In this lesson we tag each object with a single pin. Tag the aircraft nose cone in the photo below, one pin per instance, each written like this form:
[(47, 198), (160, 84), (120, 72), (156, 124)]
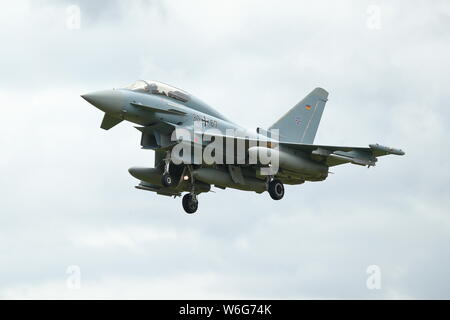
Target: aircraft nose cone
[(109, 101)]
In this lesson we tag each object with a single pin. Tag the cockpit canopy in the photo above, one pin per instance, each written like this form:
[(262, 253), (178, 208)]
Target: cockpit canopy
[(155, 87)]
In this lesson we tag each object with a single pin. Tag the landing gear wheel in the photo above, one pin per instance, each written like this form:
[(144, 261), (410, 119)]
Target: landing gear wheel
[(190, 203), (276, 189), (166, 180)]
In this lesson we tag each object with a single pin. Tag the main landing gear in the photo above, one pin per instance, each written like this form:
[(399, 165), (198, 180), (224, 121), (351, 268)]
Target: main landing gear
[(276, 189), (190, 203), (190, 200)]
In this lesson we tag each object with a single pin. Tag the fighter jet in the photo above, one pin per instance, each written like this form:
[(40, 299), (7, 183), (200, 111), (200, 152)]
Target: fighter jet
[(162, 111)]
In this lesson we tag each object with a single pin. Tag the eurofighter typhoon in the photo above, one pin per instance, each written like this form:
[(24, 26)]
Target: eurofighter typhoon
[(196, 147)]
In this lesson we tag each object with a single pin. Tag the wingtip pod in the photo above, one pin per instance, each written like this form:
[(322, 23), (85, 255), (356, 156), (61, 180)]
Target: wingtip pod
[(387, 150)]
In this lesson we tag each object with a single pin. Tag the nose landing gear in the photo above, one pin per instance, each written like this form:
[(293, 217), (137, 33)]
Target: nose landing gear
[(167, 179)]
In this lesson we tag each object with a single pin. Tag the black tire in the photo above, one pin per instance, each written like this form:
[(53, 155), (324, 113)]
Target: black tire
[(167, 180), (190, 205), (276, 189)]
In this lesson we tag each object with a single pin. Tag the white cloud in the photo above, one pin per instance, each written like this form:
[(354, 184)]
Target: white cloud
[(110, 287)]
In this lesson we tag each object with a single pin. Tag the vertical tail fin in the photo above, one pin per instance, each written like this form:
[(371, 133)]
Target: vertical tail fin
[(301, 122)]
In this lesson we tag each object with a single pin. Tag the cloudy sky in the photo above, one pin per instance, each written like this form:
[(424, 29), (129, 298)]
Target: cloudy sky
[(67, 198)]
